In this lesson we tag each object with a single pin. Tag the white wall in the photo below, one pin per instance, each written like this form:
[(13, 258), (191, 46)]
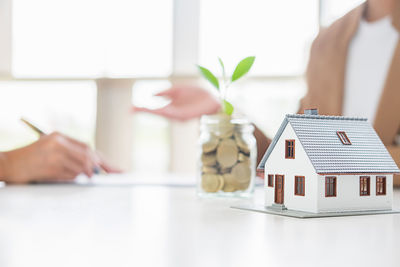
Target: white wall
[(5, 38), (348, 194), (300, 166)]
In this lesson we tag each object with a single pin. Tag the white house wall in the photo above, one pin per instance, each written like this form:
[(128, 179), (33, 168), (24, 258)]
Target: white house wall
[(348, 194), (300, 166)]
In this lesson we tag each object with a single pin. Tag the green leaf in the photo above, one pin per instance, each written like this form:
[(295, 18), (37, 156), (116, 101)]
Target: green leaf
[(228, 108), (209, 76), (222, 66), (242, 68)]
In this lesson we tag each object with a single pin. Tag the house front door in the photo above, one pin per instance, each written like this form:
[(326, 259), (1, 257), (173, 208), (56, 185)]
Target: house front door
[(279, 182)]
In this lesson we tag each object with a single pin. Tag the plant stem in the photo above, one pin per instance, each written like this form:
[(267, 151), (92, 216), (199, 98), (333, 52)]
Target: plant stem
[(224, 87)]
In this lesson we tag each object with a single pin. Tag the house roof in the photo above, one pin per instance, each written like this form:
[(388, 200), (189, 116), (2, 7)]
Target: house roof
[(318, 136)]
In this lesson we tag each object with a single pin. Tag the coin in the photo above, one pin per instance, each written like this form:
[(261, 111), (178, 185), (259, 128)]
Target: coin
[(210, 145), (229, 179), (225, 170), (210, 182), (225, 131), (242, 172), (227, 153), (209, 170), (243, 186), (221, 182), (232, 184), (209, 159), (229, 183), (242, 157), (228, 188), (241, 143)]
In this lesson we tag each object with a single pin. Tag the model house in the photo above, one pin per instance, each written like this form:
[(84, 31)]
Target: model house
[(327, 164)]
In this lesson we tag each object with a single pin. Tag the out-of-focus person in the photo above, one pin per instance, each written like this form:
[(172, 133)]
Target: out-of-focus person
[(353, 70)]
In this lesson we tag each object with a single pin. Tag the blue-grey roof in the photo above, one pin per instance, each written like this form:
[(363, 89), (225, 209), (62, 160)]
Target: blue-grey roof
[(318, 136)]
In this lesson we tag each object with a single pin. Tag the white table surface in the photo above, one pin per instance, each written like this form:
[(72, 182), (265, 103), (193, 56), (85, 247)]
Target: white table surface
[(71, 225)]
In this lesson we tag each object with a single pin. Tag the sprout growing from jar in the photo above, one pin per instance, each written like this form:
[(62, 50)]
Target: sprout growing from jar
[(241, 69)]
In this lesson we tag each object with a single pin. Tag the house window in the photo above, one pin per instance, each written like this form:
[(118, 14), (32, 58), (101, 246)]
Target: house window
[(343, 137), (299, 184), (270, 180), (364, 186), (380, 185), (330, 186), (289, 151)]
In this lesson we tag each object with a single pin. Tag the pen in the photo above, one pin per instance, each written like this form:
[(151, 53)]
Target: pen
[(96, 170), (33, 127)]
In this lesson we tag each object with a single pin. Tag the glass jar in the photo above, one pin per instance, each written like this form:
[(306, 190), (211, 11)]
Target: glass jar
[(227, 158)]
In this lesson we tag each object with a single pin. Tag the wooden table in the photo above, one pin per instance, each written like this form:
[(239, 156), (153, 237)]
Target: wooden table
[(70, 225)]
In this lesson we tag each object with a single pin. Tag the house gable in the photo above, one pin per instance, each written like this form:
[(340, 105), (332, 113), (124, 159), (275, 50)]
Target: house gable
[(271, 147), (277, 155), (277, 164)]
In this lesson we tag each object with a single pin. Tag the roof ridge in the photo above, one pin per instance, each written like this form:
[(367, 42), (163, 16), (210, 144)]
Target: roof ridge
[(326, 117)]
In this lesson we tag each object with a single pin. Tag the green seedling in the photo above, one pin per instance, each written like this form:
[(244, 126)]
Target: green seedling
[(222, 85)]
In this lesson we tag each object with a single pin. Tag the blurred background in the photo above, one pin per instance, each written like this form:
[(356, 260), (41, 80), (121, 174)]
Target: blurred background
[(77, 66)]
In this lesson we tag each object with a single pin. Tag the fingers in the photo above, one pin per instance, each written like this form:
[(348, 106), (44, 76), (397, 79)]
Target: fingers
[(108, 168), (170, 93), (78, 155), (141, 109), (176, 113), (79, 158), (65, 172), (176, 90), (188, 102), (158, 111), (164, 112), (88, 156), (105, 165), (72, 167), (76, 142)]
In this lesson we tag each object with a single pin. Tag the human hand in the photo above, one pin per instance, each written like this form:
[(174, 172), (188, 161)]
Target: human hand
[(187, 102), (53, 157)]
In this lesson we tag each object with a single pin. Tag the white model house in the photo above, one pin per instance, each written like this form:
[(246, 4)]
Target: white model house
[(327, 164)]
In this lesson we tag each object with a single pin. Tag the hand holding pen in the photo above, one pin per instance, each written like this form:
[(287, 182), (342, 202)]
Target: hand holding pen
[(54, 157), (96, 159)]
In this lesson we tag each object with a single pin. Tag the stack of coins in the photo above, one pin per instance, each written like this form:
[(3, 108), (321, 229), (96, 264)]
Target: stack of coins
[(225, 161)]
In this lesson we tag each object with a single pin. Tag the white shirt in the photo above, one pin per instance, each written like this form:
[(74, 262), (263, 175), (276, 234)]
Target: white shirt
[(368, 61)]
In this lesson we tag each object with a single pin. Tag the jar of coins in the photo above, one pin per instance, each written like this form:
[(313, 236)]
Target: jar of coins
[(228, 155)]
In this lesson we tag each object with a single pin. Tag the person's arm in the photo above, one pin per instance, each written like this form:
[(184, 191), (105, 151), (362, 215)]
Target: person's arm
[(2, 166), (263, 143), (189, 102), (395, 153), (53, 157)]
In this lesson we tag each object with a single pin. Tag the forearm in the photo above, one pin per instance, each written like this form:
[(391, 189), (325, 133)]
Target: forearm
[(12, 165), (3, 166), (395, 153)]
